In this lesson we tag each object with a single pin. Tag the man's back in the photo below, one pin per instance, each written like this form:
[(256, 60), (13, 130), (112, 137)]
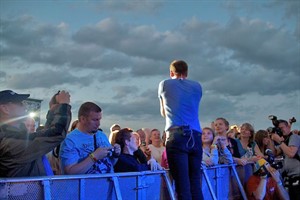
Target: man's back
[(181, 99)]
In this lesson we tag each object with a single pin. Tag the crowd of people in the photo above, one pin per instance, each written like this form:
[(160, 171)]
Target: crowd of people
[(183, 147)]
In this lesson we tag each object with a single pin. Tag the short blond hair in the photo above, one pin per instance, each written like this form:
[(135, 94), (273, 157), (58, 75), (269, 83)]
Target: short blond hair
[(179, 67)]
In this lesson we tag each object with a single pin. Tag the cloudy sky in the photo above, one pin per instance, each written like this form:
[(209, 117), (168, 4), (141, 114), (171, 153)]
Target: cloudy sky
[(246, 55)]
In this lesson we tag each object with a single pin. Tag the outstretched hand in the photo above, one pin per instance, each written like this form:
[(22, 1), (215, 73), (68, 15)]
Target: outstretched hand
[(154, 165)]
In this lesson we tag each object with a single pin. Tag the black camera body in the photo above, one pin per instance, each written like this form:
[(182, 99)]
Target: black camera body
[(275, 123), (272, 161), (111, 152)]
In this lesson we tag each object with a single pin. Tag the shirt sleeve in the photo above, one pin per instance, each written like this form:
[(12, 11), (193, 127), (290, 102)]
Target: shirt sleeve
[(68, 153)]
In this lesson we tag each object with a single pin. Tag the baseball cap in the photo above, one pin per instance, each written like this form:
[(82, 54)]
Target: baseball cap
[(7, 96), (259, 166)]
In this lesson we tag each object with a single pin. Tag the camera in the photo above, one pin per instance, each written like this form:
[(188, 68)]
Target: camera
[(277, 164), (275, 123), (111, 152), (292, 120)]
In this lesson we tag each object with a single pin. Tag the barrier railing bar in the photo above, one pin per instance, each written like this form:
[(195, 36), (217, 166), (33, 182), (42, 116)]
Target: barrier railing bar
[(209, 184), (47, 190), (239, 182), (81, 189), (169, 186), (117, 187)]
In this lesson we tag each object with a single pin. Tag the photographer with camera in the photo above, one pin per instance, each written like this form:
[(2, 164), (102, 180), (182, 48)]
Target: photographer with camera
[(265, 183), (21, 153), (86, 150), (289, 145)]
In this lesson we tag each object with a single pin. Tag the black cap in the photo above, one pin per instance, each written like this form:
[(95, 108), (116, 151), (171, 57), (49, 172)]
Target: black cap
[(7, 96)]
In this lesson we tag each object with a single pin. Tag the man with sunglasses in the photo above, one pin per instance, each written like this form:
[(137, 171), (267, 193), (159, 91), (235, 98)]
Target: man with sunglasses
[(21, 153)]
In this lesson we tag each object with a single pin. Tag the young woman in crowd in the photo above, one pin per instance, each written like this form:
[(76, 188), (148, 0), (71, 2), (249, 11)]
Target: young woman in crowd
[(221, 127), (264, 142), (127, 162), (210, 151), (214, 151), (156, 146), (248, 149)]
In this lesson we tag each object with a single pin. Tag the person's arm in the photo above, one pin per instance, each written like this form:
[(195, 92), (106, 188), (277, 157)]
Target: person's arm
[(214, 155), (162, 108), (226, 156), (42, 142), (161, 101), (289, 150), (280, 191), (83, 166), (260, 191)]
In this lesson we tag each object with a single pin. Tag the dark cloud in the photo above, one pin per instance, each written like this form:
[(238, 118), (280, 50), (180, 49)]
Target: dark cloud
[(147, 6), (43, 79), (246, 59)]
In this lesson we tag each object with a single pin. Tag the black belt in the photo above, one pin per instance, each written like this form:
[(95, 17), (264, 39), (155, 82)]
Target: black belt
[(184, 130)]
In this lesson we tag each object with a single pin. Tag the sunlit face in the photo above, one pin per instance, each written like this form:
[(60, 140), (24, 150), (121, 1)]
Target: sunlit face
[(207, 136), (137, 138), (30, 125), (132, 143), (155, 136), (16, 109), (245, 132), (220, 127), (91, 122)]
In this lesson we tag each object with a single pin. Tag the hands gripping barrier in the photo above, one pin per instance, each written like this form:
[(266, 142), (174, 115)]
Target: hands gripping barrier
[(218, 182)]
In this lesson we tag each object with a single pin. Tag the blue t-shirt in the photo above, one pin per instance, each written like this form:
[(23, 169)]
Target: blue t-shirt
[(77, 146), (181, 99)]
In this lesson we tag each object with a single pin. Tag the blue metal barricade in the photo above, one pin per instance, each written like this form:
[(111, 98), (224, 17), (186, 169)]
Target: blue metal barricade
[(133, 185), (218, 183)]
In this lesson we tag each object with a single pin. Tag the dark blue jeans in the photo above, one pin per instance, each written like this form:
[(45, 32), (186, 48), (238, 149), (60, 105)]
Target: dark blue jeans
[(184, 153)]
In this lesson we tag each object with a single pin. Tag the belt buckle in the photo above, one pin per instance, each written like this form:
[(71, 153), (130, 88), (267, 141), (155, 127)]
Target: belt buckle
[(187, 131)]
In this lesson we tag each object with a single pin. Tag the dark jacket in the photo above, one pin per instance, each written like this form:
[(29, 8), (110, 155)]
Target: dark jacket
[(129, 163), (21, 153)]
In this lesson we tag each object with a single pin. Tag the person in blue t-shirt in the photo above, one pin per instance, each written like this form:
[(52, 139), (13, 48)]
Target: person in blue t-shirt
[(86, 150), (179, 104)]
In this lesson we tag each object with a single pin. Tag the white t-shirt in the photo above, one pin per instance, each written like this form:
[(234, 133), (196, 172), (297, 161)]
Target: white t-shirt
[(156, 152)]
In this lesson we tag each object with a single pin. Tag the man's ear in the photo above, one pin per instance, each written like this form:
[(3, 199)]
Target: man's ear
[(172, 74)]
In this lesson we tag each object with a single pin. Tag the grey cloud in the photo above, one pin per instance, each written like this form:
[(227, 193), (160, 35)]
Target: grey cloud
[(256, 42), (124, 92), (291, 7), (138, 105), (129, 6), (245, 56), (43, 79), (142, 41)]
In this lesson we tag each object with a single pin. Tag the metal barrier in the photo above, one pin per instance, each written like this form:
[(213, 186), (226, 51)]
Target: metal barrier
[(221, 181), (133, 185), (218, 182)]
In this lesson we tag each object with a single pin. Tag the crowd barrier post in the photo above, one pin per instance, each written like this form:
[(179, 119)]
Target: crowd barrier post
[(47, 189), (169, 186), (211, 190), (117, 187), (239, 182)]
